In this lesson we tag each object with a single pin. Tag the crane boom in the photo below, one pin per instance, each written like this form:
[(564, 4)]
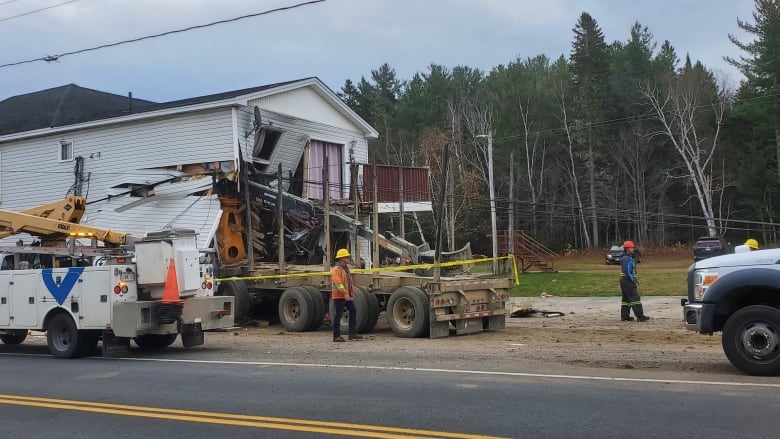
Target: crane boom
[(58, 220)]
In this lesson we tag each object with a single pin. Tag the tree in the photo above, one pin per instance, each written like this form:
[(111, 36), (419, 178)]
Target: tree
[(690, 110), (590, 74), (762, 65)]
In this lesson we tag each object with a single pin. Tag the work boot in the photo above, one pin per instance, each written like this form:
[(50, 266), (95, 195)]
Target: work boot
[(355, 337), (627, 319), (339, 339), (642, 318)]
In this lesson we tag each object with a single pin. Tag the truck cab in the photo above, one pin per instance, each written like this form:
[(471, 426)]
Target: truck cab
[(739, 295)]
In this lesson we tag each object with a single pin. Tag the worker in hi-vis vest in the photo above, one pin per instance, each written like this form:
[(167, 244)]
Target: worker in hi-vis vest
[(342, 295)]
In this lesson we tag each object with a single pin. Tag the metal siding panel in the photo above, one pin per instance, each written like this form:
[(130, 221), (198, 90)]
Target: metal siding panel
[(416, 184), (111, 150)]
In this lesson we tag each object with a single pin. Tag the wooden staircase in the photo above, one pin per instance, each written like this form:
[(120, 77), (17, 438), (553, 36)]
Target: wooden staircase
[(531, 255)]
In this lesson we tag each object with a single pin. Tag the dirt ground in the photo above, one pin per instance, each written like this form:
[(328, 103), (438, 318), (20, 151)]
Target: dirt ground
[(573, 333), (564, 335)]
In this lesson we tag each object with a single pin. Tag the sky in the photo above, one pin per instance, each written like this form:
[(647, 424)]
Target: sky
[(334, 40)]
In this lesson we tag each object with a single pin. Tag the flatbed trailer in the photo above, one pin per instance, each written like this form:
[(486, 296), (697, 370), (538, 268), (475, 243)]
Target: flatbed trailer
[(415, 306)]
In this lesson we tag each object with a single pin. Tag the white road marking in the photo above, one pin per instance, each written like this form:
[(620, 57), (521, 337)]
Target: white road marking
[(427, 369), (456, 371)]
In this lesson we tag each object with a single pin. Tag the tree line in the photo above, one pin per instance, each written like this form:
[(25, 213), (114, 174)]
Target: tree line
[(621, 140)]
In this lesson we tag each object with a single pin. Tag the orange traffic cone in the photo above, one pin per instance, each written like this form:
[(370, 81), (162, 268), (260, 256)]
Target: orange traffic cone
[(171, 289)]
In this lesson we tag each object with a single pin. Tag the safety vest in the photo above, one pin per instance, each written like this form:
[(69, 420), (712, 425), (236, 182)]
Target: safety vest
[(341, 283)]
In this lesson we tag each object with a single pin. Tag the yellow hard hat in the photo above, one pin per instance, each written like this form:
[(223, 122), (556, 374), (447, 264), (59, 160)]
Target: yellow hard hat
[(342, 253), (752, 243)]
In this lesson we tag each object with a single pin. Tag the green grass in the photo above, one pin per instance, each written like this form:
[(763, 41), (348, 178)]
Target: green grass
[(596, 284), (590, 277)]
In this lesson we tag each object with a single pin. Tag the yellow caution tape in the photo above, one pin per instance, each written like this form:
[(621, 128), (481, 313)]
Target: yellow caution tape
[(380, 269)]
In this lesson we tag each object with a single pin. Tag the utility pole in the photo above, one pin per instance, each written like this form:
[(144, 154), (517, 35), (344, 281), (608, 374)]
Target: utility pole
[(491, 189), (512, 203)]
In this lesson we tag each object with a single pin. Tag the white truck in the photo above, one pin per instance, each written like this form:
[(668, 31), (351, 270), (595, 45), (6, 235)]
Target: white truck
[(149, 290), (739, 295)]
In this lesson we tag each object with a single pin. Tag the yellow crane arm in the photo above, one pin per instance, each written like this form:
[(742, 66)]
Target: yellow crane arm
[(58, 219)]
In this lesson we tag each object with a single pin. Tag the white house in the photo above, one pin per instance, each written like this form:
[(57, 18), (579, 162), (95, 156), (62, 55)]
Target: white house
[(146, 165)]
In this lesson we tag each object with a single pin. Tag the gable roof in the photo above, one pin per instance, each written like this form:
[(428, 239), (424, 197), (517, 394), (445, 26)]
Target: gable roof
[(47, 111), (61, 106)]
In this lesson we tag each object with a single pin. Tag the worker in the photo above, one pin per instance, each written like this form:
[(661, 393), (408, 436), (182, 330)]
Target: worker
[(628, 286), (342, 294), (749, 245)]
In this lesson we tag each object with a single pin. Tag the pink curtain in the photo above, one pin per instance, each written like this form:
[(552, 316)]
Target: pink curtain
[(317, 152)]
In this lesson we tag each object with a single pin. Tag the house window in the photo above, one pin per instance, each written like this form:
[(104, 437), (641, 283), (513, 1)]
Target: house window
[(265, 143), (66, 151)]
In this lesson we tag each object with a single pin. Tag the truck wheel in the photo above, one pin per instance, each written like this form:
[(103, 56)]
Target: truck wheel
[(362, 315), (13, 336), (407, 312), (319, 307), (154, 342), (241, 303), (372, 312), (296, 309), (63, 338), (751, 340)]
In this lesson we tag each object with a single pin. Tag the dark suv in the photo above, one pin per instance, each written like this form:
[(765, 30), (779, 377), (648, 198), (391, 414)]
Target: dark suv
[(708, 247)]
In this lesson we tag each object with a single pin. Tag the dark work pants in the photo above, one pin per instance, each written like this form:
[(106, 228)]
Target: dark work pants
[(338, 307), (630, 300)]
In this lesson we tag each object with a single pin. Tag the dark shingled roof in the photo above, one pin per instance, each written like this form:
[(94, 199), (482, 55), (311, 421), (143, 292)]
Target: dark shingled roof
[(71, 104)]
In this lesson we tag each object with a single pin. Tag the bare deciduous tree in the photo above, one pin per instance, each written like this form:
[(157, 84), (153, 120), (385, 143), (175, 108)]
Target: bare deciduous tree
[(682, 109)]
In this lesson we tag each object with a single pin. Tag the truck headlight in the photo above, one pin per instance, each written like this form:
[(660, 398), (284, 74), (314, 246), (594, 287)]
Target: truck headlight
[(702, 280)]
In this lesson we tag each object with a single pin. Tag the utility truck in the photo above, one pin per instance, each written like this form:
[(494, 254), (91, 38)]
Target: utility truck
[(149, 289)]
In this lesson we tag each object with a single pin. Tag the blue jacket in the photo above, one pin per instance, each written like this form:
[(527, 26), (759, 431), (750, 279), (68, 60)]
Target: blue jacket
[(628, 267)]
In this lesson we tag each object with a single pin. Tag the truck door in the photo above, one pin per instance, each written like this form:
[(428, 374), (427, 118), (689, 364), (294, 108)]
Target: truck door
[(5, 303), (24, 303), (94, 293)]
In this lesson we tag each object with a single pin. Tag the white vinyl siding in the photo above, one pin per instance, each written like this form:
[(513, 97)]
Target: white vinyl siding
[(304, 103), (113, 152)]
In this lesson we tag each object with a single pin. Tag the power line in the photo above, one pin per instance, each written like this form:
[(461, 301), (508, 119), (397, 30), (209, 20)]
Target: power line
[(49, 58), (8, 1), (34, 11)]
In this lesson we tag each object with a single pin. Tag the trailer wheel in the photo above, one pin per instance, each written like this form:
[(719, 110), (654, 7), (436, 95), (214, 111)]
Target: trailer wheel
[(240, 293), (319, 307), (363, 314), (296, 309), (751, 340), (154, 342), (13, 336), (407, 312), (372, 312), (63, 338)]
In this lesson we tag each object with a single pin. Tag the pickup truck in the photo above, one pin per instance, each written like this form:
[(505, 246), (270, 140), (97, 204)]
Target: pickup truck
[(739, 295)]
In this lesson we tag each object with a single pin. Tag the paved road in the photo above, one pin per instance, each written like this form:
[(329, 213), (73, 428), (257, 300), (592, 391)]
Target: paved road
[(97, 398)]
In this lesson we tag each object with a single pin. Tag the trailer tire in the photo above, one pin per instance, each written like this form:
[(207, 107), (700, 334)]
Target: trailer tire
[(751, 340), (362, 313), (296, 309), (319, 307), (407, 312), (12, 336), (372, 312), (63, 338), (154, 342), (241, 302)]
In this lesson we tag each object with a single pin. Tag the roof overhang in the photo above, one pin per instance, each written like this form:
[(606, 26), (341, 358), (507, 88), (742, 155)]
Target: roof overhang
[(235, 101)]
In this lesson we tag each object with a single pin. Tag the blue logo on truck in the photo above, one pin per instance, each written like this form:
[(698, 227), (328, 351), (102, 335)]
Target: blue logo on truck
[(62, 291)]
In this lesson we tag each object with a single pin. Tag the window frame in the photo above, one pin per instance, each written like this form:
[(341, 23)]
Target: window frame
[(61, 145)]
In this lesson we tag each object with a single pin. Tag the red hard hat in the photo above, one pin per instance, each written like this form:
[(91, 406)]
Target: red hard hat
[(629, 244)]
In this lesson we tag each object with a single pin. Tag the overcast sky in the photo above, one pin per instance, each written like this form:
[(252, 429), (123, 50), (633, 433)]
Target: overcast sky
[(334, 40)]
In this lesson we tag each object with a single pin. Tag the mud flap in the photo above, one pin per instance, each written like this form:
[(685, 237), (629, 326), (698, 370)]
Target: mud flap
[(439, 329), (468, 326), (114, 346), (495, 323), (192, 335)]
